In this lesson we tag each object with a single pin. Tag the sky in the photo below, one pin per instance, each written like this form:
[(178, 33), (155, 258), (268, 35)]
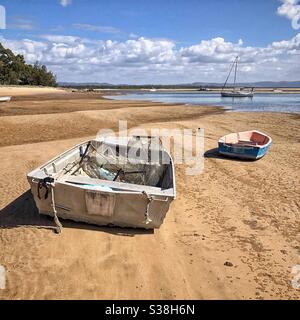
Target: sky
[(157, 41)]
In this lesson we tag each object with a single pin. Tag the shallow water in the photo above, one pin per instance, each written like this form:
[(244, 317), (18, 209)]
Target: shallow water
[(259, 103)]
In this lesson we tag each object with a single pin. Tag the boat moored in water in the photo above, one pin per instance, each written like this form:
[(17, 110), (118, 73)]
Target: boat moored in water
[(250, 145), (237, 94)]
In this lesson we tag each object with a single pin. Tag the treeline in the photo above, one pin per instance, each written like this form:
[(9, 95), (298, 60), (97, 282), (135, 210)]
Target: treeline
[(127, 86), (15, 71)]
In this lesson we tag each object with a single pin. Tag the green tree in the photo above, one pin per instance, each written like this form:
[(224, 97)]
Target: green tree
[(14, 70)]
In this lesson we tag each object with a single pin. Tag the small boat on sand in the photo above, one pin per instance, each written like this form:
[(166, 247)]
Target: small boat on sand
[(245, 145), (5, 99), (107, 182)]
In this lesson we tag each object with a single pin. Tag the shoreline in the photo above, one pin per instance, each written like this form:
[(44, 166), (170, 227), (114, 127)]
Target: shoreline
[(234, 211)]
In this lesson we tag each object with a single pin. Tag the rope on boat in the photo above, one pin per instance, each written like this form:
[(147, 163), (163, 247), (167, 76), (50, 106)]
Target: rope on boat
[(150, 199), (47, 183), (56, 220)]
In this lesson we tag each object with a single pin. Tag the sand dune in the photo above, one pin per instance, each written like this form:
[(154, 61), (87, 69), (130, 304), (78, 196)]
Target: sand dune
[(242, 213)]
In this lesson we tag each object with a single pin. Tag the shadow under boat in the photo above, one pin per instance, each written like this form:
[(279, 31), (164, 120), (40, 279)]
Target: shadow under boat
[(22, 212), (214, 154)]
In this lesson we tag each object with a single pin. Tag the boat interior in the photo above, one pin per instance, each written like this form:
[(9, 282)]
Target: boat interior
[(120, 163), (252, 138)]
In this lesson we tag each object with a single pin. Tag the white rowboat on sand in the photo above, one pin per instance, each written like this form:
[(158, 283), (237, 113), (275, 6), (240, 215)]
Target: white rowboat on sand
[(5, 99), (87, 184)]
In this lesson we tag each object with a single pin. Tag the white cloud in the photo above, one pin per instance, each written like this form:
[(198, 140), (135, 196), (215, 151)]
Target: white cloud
[(145, 60), (288, 45), (21, 23), (211, 51), (65, 3), (291, 10), (60, 39), (91, 27), (136, 52), (133, 36)]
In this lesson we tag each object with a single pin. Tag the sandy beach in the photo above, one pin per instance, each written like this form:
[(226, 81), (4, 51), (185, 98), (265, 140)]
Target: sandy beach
[(232, 233)]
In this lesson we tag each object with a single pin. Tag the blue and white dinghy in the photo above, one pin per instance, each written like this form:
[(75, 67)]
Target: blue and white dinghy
[(250, 145)]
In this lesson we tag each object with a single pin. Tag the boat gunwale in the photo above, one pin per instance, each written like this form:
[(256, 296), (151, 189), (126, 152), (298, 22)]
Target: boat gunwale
[(34, 174), (222, 140), (119, 187)]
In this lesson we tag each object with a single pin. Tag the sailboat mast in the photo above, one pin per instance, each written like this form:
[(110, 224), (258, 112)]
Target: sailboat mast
[(231, 67), (236, 65), (235, 91)]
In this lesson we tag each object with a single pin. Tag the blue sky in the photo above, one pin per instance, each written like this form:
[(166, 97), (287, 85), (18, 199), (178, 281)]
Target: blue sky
[(139, 41)]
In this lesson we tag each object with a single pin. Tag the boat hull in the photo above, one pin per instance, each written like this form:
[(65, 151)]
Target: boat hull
[(236, 95), (246, 152), (103, 208), (250, 145), (5, 99)]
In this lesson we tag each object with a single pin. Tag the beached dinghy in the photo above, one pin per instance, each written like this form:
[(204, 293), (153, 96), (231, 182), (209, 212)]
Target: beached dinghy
[(5, 99), (246, 145), (103, 182)]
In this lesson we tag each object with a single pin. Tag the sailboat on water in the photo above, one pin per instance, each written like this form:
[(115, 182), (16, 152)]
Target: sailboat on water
[(235, 92)]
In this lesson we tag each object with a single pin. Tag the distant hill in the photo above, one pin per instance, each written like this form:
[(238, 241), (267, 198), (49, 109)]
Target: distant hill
[(260, 84), (104, 85), (280, 84)]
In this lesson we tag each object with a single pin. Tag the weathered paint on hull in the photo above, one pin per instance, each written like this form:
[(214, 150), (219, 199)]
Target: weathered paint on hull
[(101, 202), (247, 152), (118, 208)]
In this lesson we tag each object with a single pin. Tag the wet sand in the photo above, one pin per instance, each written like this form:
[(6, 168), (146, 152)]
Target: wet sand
[(232, 233)]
